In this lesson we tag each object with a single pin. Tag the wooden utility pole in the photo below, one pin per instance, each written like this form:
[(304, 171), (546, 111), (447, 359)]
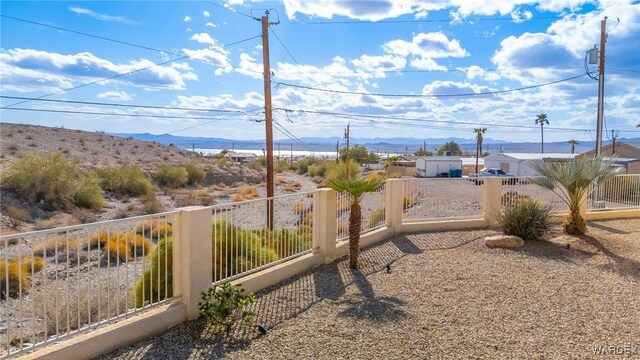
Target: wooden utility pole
[(346, 135), (603, 41), (268, 116), (614, 139)]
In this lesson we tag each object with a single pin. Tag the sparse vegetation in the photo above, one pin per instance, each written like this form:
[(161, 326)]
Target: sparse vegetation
[(127, 180), (171, 176), (223, 306), (16, 215), (15, 275), (195, 173)]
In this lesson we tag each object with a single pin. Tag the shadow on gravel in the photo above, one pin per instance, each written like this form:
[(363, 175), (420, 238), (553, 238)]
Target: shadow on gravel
[(370, 307), (621, 265), (601, 226)]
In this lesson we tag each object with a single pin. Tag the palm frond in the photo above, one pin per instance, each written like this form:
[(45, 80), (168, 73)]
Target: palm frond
[(356, 188)]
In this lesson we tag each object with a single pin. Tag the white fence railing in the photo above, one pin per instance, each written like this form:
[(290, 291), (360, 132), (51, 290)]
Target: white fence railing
[(243, 242), (57, 282), (373, 213), (621, 192), (441, 199), (521, 188)]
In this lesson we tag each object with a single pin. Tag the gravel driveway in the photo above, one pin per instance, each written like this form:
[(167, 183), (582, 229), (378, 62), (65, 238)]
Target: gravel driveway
[(447, 296)]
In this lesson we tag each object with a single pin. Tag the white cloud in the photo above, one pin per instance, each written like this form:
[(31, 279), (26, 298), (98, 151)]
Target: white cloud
[(214, 55), (203, 38), (427, 45), (452, 87), (212, 25), (206, 14), (521, 16), (187, 18), (116, 96), (28, 67), (248, 66), (427, 64), (103, 17), (474, 71), (380, 63)]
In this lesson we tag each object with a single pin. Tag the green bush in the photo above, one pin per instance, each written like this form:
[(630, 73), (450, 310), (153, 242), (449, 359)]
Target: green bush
[(527, 219), (303, 164), (195, 173), (171, 175), (377, 217), (89, 194), (222, 306), (52, 180), (339, 171), (148, 288), (127, 180), (286, 242)]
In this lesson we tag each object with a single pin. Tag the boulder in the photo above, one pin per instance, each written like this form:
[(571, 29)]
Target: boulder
[(504, 241)]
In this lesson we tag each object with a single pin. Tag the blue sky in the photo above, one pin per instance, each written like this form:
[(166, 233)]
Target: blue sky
[(412, 47)]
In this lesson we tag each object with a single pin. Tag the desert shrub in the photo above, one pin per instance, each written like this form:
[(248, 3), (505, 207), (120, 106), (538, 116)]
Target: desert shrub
[(288, 188), (299, 207), (223, 306), (377, 217), (280, 166), (126, 180), (258, 164), (406, 202), (171, 175), (377, 175), (157, 281), (52, 180), (195, 173), (279, 181), (16, 215), (54, 246), (239, 197), (339, 171), (116, 250), (236, 250), (302, 165), (246, 192), (151, 204), (84, 216), (119, 246), (89, 194), (321, 168), (154, 229), (15, 273), (527, 219)]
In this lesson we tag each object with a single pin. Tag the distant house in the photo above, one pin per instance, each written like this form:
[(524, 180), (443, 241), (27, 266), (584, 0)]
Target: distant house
[(432, 166), (519, 164), (402, 167), (627, 157), (241, 157), (469, 165)]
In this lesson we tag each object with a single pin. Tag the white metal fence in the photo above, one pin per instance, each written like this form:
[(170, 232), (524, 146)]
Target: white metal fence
[(621, 192), (373, 212), (62, 281), (441, 199), (243, 242), (521, 188)]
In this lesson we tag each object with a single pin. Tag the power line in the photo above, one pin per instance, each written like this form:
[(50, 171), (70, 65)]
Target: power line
[(231, 10), (431, 95), (288, 134), (118, 114), (96, 103), (284, 46), (430, 70)]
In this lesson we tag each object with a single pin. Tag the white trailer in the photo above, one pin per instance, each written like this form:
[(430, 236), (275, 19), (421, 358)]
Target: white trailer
[(433, 166)]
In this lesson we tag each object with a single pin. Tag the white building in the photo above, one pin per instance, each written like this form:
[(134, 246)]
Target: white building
[(432, 166), (518, 164)]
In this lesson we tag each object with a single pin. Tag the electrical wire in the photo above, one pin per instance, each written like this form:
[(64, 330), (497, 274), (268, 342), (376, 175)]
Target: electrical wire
[(418, 21), (96, 103), (431, 95), (288, 134), (231, 10), (284, 46)]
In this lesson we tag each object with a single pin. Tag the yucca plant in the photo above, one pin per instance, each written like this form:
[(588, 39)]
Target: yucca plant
[(356, 189), (571, 181)]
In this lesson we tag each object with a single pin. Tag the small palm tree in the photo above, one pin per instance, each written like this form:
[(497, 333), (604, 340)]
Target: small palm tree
[(356, 188), (541, 120), (573, 145), (479, 138), (571, 181)]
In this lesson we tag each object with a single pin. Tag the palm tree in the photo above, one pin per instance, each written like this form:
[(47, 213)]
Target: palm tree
[(479, 137), (356, 188), (573, 145), (541, 120), (571, 181)]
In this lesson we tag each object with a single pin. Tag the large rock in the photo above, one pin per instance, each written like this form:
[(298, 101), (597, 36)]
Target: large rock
[(504, 241)]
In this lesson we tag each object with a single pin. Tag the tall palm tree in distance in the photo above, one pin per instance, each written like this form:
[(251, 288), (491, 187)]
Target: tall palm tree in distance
[(573, 145), (479, 137), (541, 120)]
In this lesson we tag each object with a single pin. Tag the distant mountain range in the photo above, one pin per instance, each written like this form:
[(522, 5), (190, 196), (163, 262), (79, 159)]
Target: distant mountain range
[(381, 145)]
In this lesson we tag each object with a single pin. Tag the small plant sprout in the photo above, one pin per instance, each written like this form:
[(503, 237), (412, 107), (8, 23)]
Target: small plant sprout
[(223, 306)]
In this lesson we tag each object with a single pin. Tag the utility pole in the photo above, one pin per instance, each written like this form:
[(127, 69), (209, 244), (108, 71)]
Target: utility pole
[(346, 135), (614, 139), (337, 151), (291, 158), (268, 115), (603, 41)]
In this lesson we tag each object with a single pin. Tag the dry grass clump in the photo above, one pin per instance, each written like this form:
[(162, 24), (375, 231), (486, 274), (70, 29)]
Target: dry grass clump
[(377, 175), (43, 224), (289, 188), (247, 192), (280, 181), (16, 274), (154, 229), (238, 198), (54, 246), (16, 215), (151, 204), (125, 246), (299, 207)]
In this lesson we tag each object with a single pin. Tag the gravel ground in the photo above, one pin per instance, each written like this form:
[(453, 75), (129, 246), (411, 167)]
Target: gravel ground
[(447, 296)]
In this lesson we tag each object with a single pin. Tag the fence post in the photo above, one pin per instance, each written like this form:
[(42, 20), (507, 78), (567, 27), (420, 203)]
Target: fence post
[(393, 204), (192, 257), (325, 223), (491, 199)]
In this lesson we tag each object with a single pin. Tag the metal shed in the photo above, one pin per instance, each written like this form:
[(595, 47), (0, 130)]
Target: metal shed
[(433, 166)]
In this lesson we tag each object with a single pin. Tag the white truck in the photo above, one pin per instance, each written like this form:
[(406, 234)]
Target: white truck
[(492, 172)]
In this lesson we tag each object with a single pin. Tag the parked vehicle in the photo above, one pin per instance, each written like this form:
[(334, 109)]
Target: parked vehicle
[(492, 172)]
